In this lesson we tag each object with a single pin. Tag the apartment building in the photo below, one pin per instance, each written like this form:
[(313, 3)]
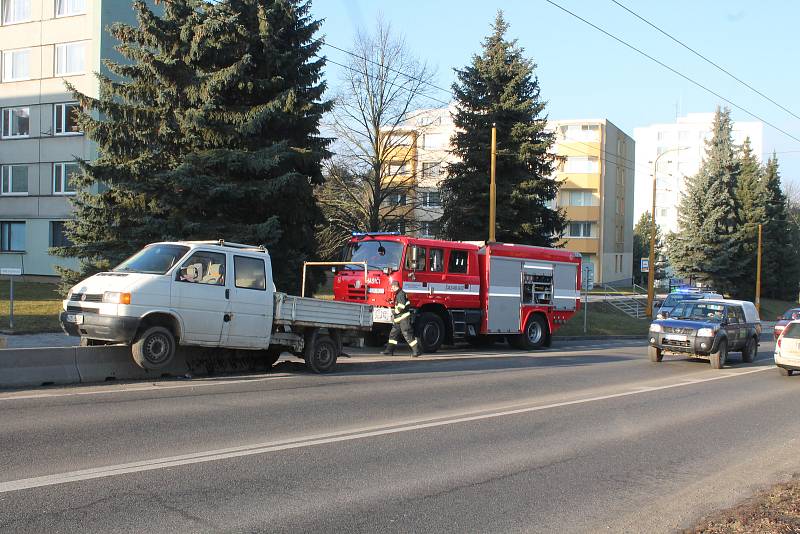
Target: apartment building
[(419, 161), (678, 150), (43, 44), (596, 193)]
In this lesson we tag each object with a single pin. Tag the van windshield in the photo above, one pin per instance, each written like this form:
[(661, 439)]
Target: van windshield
[(377, 254), (153, 259)]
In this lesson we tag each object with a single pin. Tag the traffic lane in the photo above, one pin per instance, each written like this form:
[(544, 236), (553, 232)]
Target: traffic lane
[(651, 461), (45, 435)]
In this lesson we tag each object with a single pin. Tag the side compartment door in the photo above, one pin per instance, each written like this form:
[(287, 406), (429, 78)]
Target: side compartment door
[(504, 295), (250, 304), (565, 286), (197, 295)]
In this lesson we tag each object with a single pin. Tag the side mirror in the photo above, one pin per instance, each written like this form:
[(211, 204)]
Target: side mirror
[(334, 270), (658, 303)]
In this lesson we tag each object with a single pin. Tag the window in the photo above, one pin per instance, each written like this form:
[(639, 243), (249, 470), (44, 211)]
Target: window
[(250, 273), (64, 178), (458, 262), (433, 141), (398, 226), (429, 229), (396, 199), (431, 199), (400, 140), (620, 231), (400, 169), (16, 11), (663, 212), (580, 198), (14, 180), (581, 132), (66, 8), (65, 119), (620, 176), (415, 258), (436, 261), (58, 235), (581, 164), (16, 65), (70, 58), (16, 122), (12, 237), (203, 268), (580, 229), (620, 206), (431, 170)]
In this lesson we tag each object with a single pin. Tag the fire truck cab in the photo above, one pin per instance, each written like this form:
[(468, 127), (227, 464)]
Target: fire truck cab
[(472, 291)]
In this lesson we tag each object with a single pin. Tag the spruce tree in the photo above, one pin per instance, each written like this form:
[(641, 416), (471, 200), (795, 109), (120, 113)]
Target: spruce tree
[(751, 202), (500, 87), (641, 247), (780, 263), (211, 131), (706, 248)]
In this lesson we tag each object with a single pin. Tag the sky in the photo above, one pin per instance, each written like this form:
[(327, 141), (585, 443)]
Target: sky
[(586, 74)]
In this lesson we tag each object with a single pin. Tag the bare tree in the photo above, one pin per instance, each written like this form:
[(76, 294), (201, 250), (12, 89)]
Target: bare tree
[(371, 179)]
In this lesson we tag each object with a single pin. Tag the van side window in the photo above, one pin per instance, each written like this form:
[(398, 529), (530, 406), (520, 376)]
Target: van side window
[(419, 264), (458, 262), (436, 262), (249, 273), (203, 268), (735, 315)]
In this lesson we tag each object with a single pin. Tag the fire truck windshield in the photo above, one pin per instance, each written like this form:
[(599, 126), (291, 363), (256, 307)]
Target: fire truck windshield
[(377, 254)]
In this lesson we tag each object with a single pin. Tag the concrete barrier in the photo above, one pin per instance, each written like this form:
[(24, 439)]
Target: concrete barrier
[(98, 364), (38, 366)]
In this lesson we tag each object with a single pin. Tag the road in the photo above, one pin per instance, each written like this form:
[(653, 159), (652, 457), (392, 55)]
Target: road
[(578, 438)]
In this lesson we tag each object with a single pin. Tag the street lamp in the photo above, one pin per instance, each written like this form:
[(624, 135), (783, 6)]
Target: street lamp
[(651, 274)]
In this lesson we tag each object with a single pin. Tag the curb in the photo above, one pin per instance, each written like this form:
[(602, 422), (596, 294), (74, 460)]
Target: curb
[(598, 338)]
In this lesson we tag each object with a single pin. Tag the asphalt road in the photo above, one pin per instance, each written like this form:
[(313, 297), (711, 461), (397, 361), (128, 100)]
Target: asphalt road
[(578, 438)]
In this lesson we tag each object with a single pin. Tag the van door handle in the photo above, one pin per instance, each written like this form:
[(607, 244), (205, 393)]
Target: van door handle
[(227, 293)]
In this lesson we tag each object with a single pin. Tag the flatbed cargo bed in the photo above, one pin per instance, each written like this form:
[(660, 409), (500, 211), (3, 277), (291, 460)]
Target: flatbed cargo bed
[(303, 311)]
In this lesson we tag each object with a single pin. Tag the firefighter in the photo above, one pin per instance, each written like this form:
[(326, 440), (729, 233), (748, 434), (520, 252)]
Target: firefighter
[(401, 326)]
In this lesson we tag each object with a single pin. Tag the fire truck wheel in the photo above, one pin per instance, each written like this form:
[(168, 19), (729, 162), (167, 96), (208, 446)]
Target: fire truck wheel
[(430, 331), (535, 334)]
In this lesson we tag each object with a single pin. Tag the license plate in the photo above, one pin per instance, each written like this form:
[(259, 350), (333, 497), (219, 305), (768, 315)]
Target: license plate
[(381, 315), (675, 337), (76, 318)]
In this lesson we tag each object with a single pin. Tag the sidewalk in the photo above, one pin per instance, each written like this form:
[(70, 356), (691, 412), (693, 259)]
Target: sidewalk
[(25, 341)]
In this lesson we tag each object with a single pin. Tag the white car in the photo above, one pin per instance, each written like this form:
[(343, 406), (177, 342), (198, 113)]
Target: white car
[(787, 349)]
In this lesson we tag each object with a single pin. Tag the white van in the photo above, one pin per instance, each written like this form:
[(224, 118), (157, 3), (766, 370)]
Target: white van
[(206, 293)]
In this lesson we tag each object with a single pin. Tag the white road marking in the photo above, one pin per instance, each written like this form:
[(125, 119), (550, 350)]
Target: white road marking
[(321, 439), (132, 388)]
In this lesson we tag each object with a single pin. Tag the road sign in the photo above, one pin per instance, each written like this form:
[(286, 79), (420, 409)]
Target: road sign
[(587, 278), (645, 263), (8, 271)]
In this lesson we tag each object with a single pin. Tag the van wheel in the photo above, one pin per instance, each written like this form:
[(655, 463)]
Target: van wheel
[(749, 351), (656, 354), (430, 331), (718, 358), (321, 356), (154, 348), (534, 336)]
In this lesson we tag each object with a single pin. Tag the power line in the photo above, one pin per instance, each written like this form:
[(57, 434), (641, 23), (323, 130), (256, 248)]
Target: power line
[(704, 58), (671, 69)]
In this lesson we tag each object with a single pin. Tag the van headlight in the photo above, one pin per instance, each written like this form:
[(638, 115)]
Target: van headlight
[(115, 297), (655, 327), (705, 332)]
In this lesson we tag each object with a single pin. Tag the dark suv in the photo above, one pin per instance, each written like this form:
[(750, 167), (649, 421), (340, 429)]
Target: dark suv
[(708, 328)]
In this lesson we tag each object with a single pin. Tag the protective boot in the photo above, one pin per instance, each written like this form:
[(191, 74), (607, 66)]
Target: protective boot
[(416, 351), (389, 350)]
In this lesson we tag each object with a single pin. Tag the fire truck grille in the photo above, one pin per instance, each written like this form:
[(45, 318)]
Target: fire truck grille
[(354, 293)]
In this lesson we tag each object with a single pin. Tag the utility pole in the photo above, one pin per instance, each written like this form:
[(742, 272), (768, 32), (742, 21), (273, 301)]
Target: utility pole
[(493, 186), (651, 274), (758, 273)]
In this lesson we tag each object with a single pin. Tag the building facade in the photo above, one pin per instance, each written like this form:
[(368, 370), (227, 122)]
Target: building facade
[(678, 150), (43, 44), (596, 193)]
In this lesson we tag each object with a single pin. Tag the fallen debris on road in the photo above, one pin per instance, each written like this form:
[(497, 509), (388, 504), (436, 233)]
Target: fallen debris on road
[(773, 511)]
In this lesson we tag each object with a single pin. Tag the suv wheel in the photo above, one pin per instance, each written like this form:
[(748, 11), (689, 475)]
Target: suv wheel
[(718, 358), (656, 354), (750, 350)]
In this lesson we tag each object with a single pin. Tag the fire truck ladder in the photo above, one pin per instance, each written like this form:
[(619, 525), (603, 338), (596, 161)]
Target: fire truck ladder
[(459, 323)]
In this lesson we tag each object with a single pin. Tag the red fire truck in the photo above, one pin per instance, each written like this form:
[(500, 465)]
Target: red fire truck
[(473, 291)]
